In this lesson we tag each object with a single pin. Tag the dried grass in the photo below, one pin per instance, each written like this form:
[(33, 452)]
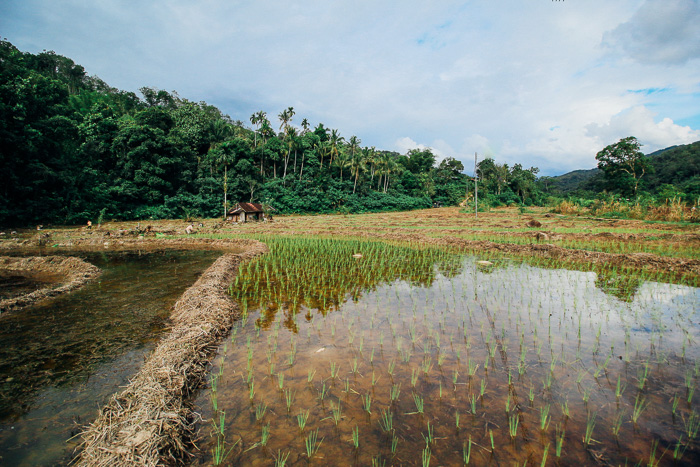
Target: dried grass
[(74, 271), (150, 422)]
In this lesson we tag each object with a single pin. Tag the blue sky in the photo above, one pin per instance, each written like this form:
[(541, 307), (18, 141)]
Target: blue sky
[(535, 82)]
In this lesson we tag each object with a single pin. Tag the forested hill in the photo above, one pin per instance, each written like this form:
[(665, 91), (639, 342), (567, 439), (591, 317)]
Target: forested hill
[(677, 166), (72, 148)]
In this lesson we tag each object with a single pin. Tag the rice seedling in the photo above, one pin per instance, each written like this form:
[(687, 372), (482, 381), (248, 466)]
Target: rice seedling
[(280, 381), (312, 444), (386, 421), (617, 424), (336, 413), (281, 458), (367, 403), (590, 425), (639, 406), (429, 438), (561, 433), (289, 398), (425, 456), (692, 425), (220, 453), (418, 400), (544, 418), (395, 392), (260, 410), (467, 451), (356, 437), (513, 422), (302, 418)]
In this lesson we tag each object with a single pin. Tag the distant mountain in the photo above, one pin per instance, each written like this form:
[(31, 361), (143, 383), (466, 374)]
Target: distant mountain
[(675, 165), (572, 181)]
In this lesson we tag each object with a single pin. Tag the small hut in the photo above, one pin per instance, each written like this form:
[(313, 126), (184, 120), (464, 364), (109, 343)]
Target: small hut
[(244, 212)]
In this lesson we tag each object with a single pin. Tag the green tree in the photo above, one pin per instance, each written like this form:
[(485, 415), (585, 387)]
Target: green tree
[(624, 160)]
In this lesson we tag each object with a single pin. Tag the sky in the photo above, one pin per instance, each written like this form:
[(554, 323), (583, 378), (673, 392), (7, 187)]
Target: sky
[(538, 82)]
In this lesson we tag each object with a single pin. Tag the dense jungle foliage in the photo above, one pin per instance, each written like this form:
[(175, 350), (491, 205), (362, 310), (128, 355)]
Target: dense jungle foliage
[(72, 148)]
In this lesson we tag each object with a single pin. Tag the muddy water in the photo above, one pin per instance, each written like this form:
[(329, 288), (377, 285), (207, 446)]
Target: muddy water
[(13, 285), (62, 359), (508, 364)]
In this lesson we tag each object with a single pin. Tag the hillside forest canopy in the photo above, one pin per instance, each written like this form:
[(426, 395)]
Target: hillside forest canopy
[(72, 148)]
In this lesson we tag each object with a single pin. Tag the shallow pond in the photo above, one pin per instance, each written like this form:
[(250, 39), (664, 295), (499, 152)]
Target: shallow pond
[(411, 356), (62, 359)]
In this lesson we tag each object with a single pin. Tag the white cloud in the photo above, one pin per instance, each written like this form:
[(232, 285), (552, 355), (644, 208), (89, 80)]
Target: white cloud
[(525, 82), (639, 122)]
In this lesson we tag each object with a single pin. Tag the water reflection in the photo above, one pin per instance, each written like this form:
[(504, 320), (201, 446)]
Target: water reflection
[(62, 358), (524, 362)]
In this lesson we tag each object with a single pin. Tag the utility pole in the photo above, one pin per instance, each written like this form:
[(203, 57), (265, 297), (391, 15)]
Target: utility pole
[(476, 191), (225, 190)]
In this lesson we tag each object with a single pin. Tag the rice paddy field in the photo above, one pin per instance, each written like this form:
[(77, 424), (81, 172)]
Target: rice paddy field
[(364, 352), (437, 338)]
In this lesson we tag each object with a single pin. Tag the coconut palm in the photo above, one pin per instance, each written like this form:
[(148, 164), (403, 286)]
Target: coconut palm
[(285, 117), (290, 133), (342, 160), (335, 141), (358, 162)]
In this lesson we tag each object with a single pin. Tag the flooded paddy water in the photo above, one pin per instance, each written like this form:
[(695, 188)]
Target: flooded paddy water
[(61, 359), (362, 353)]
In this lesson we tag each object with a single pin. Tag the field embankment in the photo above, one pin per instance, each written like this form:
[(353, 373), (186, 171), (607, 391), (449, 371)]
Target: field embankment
[(54, 275), (147, 423)]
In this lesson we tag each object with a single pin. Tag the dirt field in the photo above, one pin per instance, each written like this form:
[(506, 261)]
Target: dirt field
[(657, 247)]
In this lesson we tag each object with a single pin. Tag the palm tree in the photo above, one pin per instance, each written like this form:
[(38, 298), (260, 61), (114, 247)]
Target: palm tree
[(342, 160), (290, 134), (392, 166), (335, 141), (358, 162), (285, 117), (265, 131), (372, 159), (258, 119), (382, 162)]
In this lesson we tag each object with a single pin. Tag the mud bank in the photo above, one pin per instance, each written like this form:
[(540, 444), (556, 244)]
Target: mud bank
[(150, 421), (72, 273)]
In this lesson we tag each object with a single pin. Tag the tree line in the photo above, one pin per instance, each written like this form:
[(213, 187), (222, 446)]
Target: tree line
[(73, 148)]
